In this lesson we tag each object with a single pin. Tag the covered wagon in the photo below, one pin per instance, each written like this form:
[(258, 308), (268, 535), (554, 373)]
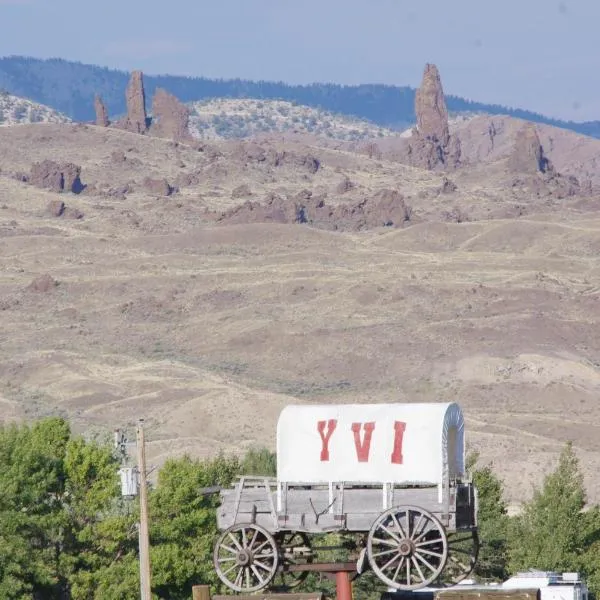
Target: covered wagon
[(393, 473)]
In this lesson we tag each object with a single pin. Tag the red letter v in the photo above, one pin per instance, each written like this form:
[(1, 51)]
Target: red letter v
[(363, 448)]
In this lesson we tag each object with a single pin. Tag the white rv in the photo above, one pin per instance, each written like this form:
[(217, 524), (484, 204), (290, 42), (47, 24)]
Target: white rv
[(552, 586)]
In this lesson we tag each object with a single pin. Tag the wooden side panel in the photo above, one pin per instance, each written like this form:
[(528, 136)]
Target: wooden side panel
[(318, 509)]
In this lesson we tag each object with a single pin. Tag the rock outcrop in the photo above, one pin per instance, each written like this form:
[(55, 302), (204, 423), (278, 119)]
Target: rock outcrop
[(135, 98), (158, 187), (170, 118), (431, 145), (430, 107), (528, 154), (43, 283), (101, 113), (385, 209), (57, 177)]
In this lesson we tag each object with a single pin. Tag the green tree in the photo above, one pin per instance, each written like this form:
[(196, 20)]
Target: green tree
[(102, 528), (259, 461), (184, 525), (59, 516), (32, 520), (492, 521), (551, 532)]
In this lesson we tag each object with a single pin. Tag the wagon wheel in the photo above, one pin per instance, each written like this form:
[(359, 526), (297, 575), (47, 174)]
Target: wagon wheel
[(407, 547), (246, 557), (463, 549), (294, 548)]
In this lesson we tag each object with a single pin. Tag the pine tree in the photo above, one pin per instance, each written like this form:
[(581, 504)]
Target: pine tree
[(492, 522), (550, 533)]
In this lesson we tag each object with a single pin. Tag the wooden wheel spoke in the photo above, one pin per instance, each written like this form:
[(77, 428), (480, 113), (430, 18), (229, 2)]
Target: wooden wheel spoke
[(261, 565), (429, 542), (257, 550), (392, 534), (397, 523), (423, 533), (229, 549), (457, 540), (386, 542), (256, 573), (429, 552), (426, 563), (417, 527), (463, 548), (392, 551), (240, 577), (461, 551), (235, 541), (397, 571), (414, 561), (230, 569), (393, 560)]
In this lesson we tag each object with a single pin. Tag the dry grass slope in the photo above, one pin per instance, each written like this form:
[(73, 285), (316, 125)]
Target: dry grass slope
[(208, 330)]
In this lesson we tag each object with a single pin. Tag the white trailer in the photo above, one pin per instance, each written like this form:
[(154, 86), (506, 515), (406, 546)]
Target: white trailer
[(552, 585), (393, 472)]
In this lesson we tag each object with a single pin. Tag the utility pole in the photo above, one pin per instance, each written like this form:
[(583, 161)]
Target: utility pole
[(144, 541)]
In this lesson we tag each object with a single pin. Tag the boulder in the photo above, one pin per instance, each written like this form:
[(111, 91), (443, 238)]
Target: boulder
[(57, 177)]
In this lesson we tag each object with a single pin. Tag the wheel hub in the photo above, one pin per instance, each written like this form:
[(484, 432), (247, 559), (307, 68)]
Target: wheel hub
[(406, 548), (244, 558)]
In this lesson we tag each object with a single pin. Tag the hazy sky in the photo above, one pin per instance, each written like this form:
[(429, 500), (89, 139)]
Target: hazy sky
[(543, 55)]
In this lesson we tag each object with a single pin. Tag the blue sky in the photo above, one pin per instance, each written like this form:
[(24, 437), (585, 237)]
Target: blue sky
[(542, 55)]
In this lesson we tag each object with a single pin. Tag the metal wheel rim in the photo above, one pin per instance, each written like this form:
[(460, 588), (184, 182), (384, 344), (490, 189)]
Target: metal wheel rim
[(407, 547), (246, 558), (285, 539), (463, 551)]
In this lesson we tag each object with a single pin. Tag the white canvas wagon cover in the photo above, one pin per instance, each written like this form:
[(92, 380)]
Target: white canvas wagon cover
[(370, 443)]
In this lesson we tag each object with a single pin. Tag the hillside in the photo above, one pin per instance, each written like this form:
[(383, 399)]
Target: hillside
[(207, 309), (227, 119), (70, 87), (14, 110)]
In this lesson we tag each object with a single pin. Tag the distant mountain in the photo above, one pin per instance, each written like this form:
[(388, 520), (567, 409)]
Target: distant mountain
[(15, 110), (70, 87), (226, 118)]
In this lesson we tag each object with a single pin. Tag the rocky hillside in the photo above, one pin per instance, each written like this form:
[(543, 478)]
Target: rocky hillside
[(14, 110), (225, 118)]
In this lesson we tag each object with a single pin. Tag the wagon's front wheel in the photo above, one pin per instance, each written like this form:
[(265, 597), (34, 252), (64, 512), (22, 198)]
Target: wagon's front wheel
[(463, 549), (407, 547), (246, 558), (294, 548)]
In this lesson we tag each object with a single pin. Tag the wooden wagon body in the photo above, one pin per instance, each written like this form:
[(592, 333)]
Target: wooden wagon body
[(392, 472), (339, 506)]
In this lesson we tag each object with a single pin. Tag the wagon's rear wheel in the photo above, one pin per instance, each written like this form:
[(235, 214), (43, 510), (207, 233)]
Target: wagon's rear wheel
[(407, 547), (294, 549), (246, 558), (463, 550)]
